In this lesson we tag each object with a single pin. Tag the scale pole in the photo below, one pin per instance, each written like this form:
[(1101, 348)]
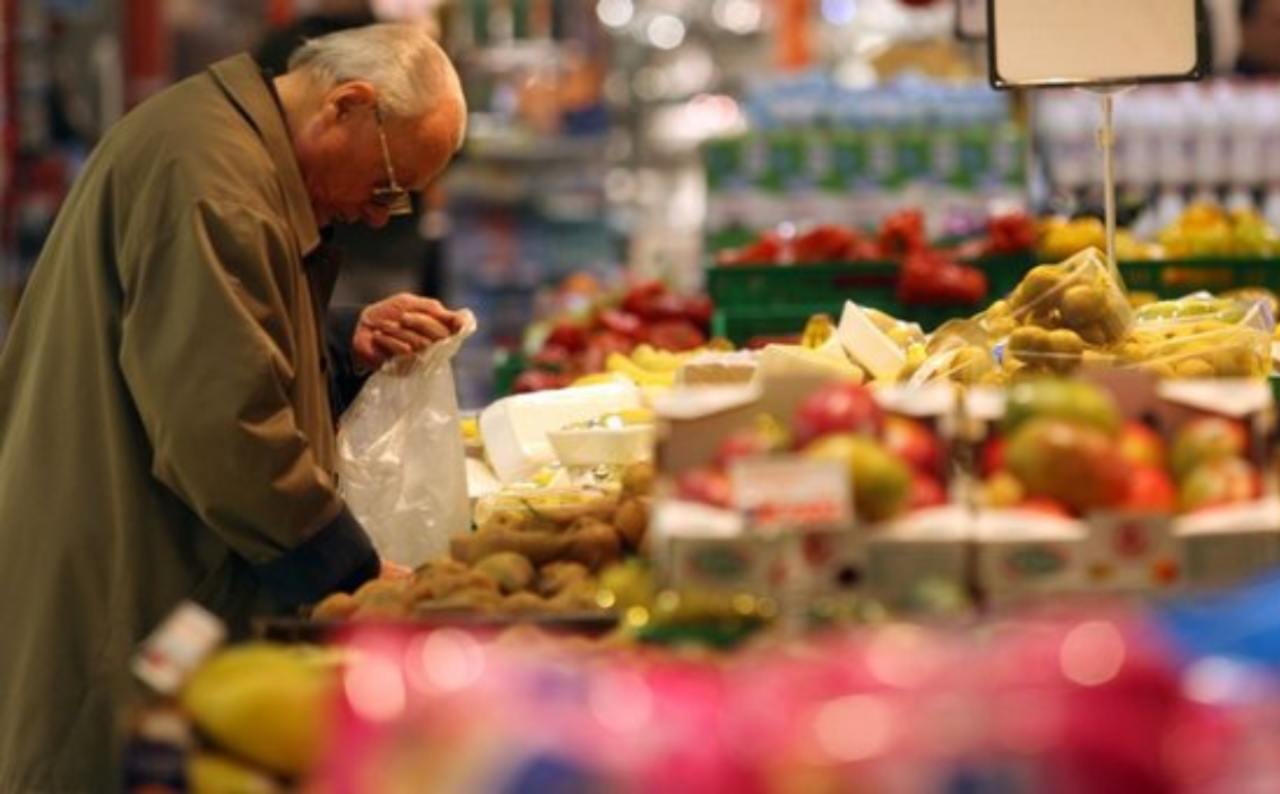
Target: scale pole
[(1107, 139)]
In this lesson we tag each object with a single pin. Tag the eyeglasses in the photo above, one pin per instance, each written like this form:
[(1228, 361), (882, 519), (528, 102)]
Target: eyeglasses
[(393, 198)]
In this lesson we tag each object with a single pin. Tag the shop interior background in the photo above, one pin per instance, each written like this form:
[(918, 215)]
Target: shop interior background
[(592, 146)]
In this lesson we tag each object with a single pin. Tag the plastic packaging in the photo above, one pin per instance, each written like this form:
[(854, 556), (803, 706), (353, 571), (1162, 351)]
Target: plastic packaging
[(401, 458), (1202, 337)]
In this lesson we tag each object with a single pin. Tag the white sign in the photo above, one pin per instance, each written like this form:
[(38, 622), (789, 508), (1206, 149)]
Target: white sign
[(1135, 553), (789, 492), (1094, 42)]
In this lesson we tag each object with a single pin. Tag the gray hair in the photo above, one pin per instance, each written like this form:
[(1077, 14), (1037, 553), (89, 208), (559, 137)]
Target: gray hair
[(402, 61)]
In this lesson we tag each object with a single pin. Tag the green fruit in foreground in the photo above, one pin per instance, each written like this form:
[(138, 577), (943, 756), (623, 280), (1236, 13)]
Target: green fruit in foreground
[(881, 481), (265, 703), (1071, 400)]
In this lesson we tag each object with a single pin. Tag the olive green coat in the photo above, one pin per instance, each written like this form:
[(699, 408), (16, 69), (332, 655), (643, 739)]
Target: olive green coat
[(165, 430)]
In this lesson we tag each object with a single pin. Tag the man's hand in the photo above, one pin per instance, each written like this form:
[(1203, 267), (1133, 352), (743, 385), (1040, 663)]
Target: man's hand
[(400, 325)]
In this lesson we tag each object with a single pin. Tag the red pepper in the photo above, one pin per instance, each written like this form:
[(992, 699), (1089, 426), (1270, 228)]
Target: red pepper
[(551, 358), (1011, 233), (826, 243), (902, 233), (768, 249), (698, 310), (931, 278)]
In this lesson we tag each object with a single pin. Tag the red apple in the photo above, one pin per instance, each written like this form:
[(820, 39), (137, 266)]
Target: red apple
[(1141, 446), (749, 442), (915, 443), (1150, 491), (993, 455), (926, 491), (708, 485), (837, 408)]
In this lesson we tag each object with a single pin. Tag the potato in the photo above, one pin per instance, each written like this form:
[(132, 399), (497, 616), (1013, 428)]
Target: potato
[(376, 589), (524, 602), (338, 606), (504, 518), (577, 597), (510, 570), (555, 577), (638, 479), (460, 546), (593, 543), (538, 547), (631, 520)]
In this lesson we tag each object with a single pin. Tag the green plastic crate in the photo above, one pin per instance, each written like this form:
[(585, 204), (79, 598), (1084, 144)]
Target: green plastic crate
[(1173, 278), (772, 300)]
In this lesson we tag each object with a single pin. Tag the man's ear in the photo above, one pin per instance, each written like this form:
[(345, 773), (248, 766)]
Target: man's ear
[(351, 98)]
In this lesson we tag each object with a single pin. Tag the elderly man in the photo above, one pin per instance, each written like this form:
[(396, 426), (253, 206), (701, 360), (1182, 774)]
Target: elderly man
[(165, 428)]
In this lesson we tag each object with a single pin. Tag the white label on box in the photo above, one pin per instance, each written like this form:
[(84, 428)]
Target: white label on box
[(724, 565), (1132, 552), (781, 493)]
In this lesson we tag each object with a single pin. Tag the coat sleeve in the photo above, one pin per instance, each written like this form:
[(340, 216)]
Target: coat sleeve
[(207, 351)]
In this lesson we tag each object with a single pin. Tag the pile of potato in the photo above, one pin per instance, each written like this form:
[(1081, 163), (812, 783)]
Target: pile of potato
[(529, 554)]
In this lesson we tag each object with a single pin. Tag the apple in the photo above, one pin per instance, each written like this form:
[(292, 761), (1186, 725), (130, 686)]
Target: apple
[(1219, 482), (1151, 490), (993, 452), (915, 443), (1207, 439), (837, 408), (707, 485), (1141, 445), (926, 491), (1075, 464), (881, 482)]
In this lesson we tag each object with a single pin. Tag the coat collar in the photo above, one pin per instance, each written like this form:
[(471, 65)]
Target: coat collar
[(242, 80)]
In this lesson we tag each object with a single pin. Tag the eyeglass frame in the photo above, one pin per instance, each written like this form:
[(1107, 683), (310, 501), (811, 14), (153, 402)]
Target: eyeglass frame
[(393, 198)]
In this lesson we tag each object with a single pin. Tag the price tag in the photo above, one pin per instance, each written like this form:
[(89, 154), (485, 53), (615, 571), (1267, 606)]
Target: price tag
[(783, 493), (1096, 42), (1133, 552)]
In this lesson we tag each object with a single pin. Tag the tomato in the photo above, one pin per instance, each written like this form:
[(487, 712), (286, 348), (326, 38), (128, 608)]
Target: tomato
[(902, 233), (551, 358), (568, 335), (539, 380)]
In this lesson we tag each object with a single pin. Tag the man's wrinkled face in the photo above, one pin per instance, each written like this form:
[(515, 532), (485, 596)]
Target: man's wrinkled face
[(342, 157)]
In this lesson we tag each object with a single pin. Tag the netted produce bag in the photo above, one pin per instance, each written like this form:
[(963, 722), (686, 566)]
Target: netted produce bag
[(1060, 317), (959, 351), (1201, 336)]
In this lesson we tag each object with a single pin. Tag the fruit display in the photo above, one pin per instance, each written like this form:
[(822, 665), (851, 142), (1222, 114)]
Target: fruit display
[(901, 233), (534, 550), (647, 319), (1063, 447), (1202, 231), (895, 464), (928, 275), (1065, 316)]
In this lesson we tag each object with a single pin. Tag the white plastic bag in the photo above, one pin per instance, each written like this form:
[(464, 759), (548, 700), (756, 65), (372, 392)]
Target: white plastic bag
[(401, 462)]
